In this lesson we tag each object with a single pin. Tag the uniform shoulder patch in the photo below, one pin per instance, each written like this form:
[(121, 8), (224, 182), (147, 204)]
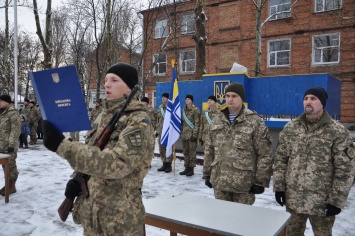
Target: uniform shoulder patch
[(135, 139), (350, 151), (144, 122)]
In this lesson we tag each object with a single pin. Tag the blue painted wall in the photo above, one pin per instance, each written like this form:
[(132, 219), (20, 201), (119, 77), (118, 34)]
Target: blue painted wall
[(279, 95)]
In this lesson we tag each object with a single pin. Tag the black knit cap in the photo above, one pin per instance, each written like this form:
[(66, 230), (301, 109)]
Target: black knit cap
[(165, 95), (5, 98), (145, 99), (26, 100), (320, 93), (33, 102), (213, 98), (126, 72), (237, 88), (190, 96)]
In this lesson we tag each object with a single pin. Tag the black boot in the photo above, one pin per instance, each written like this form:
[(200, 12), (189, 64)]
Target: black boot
[(163, 167), (185, 171), (190, 172), (168, 167)]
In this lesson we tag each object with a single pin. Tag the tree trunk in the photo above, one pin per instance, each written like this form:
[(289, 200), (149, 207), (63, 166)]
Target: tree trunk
[(200, 39)]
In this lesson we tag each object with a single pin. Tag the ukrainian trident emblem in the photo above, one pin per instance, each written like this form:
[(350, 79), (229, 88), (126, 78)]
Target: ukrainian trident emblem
[(55, 77)]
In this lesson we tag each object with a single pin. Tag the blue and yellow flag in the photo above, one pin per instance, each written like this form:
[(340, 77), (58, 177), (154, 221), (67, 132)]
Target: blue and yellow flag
[(172, 119)]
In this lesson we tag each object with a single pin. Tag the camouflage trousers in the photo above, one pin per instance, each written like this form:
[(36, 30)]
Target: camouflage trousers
[(189, 153), (244, 198), (33, 129), (162, 151), (12, 167), (321, 225)]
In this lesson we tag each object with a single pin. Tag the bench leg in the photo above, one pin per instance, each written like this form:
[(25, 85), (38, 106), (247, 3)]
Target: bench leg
[(7, 180)]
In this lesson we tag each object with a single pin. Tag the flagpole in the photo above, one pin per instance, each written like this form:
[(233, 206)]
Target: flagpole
[(174, 158)]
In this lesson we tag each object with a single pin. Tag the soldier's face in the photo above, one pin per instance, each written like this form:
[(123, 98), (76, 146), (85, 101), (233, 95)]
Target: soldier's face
[(3, 104), (188, 101), (233, 101), (164, 100), (115, 87), (211, 103), (312, 106)]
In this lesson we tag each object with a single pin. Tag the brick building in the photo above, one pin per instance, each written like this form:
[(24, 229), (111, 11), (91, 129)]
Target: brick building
[(315, 36)]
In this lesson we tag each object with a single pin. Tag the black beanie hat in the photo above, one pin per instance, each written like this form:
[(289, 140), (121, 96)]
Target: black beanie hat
[(320, 93), (236, 88), (213, 98), (190, 96), (126, 72), (26, 100), (5, 98), (165, 95), (145, 99), (33, 102)]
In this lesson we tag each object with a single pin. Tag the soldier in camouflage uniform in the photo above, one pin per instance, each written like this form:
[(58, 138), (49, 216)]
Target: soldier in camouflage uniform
[(33, 115), (151, 111), (190, 119), (96, 111), (314, 167), (10, 130), (159, 128), (207, 117), (237, 162), (114, 206)]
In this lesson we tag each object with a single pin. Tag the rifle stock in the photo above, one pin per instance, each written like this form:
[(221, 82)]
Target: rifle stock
[(100, 142), (65, 208)]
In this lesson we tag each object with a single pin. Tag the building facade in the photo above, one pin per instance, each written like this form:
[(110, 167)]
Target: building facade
[(297, 37)]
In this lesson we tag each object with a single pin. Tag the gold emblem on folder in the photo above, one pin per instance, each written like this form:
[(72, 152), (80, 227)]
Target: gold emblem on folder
[(55, 77)]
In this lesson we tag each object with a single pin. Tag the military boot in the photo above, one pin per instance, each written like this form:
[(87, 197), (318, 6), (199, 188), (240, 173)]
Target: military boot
[(163, 167), (168, 167), (190, 172), (185, 171), (12, 189), (32, 141)]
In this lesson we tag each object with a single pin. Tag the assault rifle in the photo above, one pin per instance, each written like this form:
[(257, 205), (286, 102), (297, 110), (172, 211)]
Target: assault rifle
[(100, 142)]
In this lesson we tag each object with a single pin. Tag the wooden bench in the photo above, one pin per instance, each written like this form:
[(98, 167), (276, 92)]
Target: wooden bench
[(4, 160)]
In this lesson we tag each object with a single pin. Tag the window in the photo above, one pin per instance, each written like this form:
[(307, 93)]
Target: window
[(188, 24), (326, 48), (187, 61), (161, 29), (277, 6), (327, 5), (160, 66), (279, 52)]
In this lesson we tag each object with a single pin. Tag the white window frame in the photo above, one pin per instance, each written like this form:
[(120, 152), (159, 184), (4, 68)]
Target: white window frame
[(159, 64), (188, 25), (327, 5), (280, 6), (186, 63), (318, 51), (161, 29), (277, 53)]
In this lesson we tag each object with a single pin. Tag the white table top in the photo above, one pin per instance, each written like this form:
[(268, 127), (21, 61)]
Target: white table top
[(3, 155), (217, 216)]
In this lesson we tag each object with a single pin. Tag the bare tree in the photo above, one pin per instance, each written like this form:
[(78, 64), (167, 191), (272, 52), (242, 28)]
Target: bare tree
[(200, 38)]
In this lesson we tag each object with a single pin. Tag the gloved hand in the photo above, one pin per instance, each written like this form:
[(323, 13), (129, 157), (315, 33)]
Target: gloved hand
[(256, 189), (193, 139), (201, 141), (51, 137), (280, 197), (207, 182), (331, 210), (73, 189), (31, 123), (156, 135), (10, 149)]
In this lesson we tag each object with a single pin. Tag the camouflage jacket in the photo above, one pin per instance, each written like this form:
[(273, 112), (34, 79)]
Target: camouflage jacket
[(204, 124), (193, 114), (314, 166), (94, 113), (33, 114), (117, 171), (160, 118), (10, 128), (238, 155), (152, 115)]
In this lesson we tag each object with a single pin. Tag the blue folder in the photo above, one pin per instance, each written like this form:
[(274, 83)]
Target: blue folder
[(60, 98)]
